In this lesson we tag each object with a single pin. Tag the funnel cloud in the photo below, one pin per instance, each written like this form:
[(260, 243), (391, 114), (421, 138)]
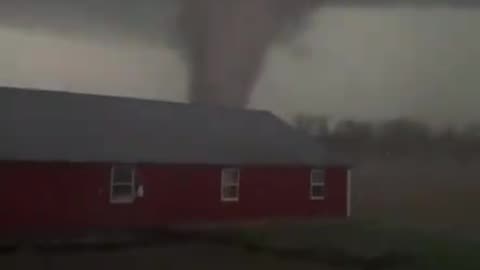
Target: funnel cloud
[(227, 42)]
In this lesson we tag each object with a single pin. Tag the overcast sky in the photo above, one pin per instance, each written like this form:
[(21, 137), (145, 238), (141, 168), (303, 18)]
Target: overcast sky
[(372, 63)]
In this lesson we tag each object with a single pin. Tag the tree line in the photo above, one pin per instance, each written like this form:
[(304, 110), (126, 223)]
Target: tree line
[(400, 136)]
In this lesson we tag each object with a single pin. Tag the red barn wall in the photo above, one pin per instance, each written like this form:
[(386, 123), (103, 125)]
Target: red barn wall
[(74, 197)]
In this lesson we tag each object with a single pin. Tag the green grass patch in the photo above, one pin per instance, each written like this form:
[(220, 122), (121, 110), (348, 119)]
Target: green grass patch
[(363, 242)]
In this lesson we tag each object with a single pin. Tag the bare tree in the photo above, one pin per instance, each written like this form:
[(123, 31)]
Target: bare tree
[(352, 136), (314, 125), (404, 135)]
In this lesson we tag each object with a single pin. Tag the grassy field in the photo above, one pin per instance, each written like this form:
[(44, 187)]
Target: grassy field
[(312, 245), (392, 246)]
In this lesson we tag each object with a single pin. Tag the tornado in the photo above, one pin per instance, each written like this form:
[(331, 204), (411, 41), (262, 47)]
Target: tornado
[(226, 43)]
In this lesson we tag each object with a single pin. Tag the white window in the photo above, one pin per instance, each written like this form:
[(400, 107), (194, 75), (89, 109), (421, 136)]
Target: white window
[(230, 184), (317, 184), (122, 184)]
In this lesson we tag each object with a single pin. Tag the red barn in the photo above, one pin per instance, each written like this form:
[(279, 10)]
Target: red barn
[(74, 162)]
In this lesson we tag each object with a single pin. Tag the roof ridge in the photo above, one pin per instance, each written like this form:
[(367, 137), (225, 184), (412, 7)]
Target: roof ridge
[(53, 125), (127, 98)]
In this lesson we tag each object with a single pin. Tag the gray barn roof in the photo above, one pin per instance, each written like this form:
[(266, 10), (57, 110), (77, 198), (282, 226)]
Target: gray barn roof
[(40, 125)]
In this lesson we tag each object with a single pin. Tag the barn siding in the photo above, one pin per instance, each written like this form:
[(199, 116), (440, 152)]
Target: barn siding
[(72, 197)]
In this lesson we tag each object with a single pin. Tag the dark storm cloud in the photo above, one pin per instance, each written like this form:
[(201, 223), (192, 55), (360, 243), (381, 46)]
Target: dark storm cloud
[(224, 41), (141, 18)]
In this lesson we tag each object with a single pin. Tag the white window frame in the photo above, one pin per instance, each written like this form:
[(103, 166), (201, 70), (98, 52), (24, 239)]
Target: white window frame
[(316, 184), (223, 185), (132, 196)]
